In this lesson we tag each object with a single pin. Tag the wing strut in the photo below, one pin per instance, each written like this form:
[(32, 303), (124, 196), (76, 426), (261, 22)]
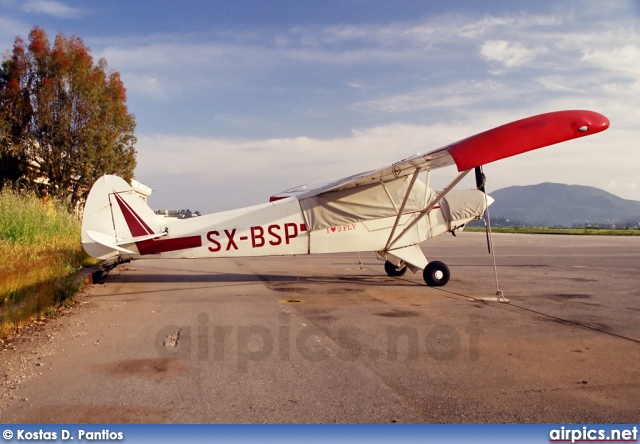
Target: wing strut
[(386, 190), (401, 209), (426, 210)]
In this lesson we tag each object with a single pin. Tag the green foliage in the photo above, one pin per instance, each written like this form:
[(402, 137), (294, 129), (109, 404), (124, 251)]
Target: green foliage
[(63, 118), (40, 254), (27, 220)]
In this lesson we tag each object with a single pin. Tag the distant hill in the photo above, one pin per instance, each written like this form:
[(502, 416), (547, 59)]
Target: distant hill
[(556, 204)]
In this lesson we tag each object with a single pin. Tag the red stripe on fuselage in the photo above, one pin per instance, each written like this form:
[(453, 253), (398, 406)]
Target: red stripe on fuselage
[(155, 246)]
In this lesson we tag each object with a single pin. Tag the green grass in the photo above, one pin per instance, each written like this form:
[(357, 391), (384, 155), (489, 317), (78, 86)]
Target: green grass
[(40, 255), (571, 231)]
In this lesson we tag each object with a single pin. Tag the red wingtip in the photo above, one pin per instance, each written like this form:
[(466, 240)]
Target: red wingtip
[(525, 135), (596, 121)]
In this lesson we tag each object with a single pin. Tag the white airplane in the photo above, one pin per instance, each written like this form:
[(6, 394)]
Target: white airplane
[(388, 210)]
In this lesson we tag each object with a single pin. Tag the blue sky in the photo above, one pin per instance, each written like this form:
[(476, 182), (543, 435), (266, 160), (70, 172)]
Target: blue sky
[(238, 100)]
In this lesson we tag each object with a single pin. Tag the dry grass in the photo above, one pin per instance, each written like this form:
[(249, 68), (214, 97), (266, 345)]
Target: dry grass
[(40, 254)]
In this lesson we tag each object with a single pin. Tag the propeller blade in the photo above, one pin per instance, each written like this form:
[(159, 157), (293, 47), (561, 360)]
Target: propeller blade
[(486, 230), (480, 178)]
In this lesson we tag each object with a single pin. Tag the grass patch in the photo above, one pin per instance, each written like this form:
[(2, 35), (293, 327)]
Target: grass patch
[(571, 231), (40, 254)]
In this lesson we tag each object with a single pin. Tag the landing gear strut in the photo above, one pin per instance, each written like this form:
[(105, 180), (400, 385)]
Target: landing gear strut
[(436, 274), (394, 271)]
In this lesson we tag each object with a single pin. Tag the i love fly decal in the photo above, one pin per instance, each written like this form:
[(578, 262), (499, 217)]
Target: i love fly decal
[(341, 228)]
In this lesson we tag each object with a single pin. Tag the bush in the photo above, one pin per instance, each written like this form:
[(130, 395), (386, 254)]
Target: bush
[(40, 253)]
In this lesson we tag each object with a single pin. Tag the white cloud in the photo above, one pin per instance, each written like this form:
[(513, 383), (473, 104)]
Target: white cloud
[(510, 54), (457, 94), (490, 25), (614, 184), (147, 85), (624, 59), (51, 7), (554, 83)]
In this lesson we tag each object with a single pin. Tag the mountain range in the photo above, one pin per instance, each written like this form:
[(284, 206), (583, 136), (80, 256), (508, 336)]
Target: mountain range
[(556, 204)]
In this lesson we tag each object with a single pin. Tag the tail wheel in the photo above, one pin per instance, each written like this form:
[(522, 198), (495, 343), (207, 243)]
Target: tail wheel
[(394, 271), (436, 274)]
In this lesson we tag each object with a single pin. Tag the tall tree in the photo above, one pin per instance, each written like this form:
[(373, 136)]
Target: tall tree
[(63, 119)]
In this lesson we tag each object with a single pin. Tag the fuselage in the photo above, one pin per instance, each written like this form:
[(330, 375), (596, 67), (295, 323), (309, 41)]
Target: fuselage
[(279, 228)]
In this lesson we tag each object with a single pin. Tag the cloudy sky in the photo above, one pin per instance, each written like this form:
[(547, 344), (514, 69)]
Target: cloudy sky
[(237, 100)]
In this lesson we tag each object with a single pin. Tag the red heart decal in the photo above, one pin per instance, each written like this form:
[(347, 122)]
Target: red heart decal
[(333, 229)]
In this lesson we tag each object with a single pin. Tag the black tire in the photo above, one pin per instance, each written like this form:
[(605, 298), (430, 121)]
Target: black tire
[(393, 271), (436, 274)]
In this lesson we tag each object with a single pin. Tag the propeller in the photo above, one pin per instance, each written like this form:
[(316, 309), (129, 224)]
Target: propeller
[(480, 181)]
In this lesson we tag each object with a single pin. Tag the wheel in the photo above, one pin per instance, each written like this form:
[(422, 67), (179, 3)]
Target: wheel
[(393, 271), (436, 274)]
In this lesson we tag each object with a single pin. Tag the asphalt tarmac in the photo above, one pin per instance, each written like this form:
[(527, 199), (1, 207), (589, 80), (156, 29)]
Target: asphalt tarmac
[(320, 339)]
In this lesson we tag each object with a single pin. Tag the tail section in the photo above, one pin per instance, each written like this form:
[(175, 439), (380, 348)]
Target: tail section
[(116, 220)]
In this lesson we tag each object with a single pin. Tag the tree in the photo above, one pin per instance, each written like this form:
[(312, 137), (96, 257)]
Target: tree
[(64, 121)]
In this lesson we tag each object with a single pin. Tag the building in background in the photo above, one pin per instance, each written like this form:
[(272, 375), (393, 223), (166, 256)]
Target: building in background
[(144, 192), (177, 214)]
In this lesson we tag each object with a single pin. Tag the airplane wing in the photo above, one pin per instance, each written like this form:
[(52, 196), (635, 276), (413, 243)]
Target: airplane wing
[(495, 144), (433, 160)]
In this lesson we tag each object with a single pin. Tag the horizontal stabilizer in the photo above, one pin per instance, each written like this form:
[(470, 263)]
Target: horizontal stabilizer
[(107, 241), (133, 240)]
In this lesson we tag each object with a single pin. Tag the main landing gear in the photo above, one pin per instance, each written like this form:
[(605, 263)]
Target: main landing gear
[(435, 274)]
